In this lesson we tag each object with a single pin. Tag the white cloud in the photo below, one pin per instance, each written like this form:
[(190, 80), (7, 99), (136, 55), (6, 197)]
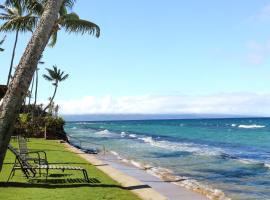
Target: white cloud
[(246, 104), (263, 15), (258, 53)]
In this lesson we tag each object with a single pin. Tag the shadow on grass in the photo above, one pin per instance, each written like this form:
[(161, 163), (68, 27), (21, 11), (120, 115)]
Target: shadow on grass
[(69, 163), (63, 181), (67, 183), (59, 175)]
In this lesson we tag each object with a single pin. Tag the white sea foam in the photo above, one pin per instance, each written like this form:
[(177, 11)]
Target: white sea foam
[(186, 147), (255, 162), (116, 155), (233, 125), (84, 123), (123, 134), (104, 133), (267, 165), (249, 161), (132, 135), (74, 127), (251, 126)]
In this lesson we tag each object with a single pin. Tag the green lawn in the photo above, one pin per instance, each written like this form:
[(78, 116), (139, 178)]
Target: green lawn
[(66, 185)]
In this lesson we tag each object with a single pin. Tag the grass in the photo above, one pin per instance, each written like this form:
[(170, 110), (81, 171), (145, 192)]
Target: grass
[(66, 185)]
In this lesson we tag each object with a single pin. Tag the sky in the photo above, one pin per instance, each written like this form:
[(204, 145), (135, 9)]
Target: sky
[(157, 56)]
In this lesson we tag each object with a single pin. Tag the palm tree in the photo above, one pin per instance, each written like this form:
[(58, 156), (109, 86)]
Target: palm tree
[(19, 19), (1, 42), (70, 22), (36, 88), (35, 80), (19, 85), (55, 75)]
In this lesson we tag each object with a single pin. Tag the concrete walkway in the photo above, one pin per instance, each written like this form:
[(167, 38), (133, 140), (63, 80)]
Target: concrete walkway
[(137, 180)]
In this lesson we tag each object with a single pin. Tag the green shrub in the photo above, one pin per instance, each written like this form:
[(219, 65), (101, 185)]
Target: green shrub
[(47, 126)]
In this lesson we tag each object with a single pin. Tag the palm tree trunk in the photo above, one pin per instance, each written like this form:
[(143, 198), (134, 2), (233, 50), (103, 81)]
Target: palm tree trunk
[(36, 89), (12, 57), (31, 91), (55, 89), (23, 75)]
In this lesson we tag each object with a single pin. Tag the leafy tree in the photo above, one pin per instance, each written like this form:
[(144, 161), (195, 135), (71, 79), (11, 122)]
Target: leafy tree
[(19, 85), (55, 76)]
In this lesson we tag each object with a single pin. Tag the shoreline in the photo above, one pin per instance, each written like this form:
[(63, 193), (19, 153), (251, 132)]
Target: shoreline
[(166, 175), (144, 184)]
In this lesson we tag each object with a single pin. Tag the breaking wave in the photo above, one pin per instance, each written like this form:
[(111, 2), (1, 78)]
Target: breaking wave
[(186, 147), (251, 126)]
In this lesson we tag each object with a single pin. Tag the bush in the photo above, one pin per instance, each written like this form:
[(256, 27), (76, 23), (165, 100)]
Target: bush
[(40, 126)]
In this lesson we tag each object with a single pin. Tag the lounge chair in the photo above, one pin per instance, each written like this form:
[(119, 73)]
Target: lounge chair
[(30, 168), (38, 156)]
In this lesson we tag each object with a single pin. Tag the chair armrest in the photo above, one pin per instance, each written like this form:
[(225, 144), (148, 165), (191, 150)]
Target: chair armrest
[(39, 157)]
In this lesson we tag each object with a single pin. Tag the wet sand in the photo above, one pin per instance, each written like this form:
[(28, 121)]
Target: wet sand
[(143, 184)]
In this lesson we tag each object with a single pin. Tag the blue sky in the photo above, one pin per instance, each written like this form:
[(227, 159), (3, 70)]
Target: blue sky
[(162, 53)]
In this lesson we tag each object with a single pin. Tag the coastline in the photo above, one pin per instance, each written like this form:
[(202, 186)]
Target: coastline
[(144, 184), (167, 176)]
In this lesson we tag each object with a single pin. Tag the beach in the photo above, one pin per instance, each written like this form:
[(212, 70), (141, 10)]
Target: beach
[(143, 184)]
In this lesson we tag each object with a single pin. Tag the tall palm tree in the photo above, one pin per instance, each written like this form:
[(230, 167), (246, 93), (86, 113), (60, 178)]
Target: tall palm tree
[(70, 22), (35, 82), (23, 75), (36, 88), (1, 42), (19, 19), (55, 75)]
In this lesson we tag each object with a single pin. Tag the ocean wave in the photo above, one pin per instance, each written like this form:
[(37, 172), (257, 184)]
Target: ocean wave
[(83, 123), (167, 175), (104, 133), (186, 147), (255, 163), (251, 126), (132, 135), (267, 165), (123, 134)]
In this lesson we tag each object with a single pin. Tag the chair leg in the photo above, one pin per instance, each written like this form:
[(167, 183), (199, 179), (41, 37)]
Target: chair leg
[(85, 175), (47, 173), (12, 173)]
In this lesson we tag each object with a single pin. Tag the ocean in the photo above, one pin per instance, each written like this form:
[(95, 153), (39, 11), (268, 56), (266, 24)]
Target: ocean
[(228, 155)]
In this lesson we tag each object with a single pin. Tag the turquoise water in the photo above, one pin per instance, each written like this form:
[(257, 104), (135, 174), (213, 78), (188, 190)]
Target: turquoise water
[(232, 155)]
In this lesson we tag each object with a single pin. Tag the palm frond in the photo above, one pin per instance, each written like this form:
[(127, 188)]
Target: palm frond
[(48, 78), (11, 2), (9, 11), (21, 24), (72, 23), (69, 3), (64, 77), (52, 74), (1, 49), (5, 17), (35, 6), (55, 75), (63, 10), (53, 39), (2, 41)]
